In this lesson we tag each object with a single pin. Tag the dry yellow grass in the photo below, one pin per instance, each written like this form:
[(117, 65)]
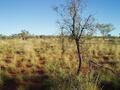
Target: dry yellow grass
[(29, 54), (38, 56)]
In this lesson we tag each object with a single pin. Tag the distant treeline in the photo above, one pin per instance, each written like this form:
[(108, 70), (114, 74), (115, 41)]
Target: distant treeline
[(26, 35)]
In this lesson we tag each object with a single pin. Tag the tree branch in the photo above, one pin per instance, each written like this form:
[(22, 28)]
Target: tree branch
[(81, 31)]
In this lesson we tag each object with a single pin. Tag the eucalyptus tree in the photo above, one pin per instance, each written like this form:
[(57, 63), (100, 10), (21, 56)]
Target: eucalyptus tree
[(105, 29)]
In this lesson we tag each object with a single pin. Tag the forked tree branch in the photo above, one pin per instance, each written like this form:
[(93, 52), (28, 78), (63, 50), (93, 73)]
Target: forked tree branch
[(81, 31)]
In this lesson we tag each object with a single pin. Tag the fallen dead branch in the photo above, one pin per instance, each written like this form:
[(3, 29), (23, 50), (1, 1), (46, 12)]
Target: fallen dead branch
[(94, 66)]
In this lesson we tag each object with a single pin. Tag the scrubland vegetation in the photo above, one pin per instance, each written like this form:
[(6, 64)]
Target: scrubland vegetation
[(76, 59), (37, 64)]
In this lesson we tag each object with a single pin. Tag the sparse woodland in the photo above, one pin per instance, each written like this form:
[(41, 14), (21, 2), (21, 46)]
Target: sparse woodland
[(76, 59)]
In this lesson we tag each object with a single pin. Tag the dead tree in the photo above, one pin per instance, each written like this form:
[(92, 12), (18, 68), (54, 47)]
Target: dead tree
[(72, 21)]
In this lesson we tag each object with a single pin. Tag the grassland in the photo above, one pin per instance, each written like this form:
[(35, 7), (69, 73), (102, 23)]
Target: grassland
[(36, 64)]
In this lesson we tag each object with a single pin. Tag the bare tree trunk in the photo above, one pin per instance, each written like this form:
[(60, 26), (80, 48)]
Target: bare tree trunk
[(62, 44), (79, 57), (63, 50)]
